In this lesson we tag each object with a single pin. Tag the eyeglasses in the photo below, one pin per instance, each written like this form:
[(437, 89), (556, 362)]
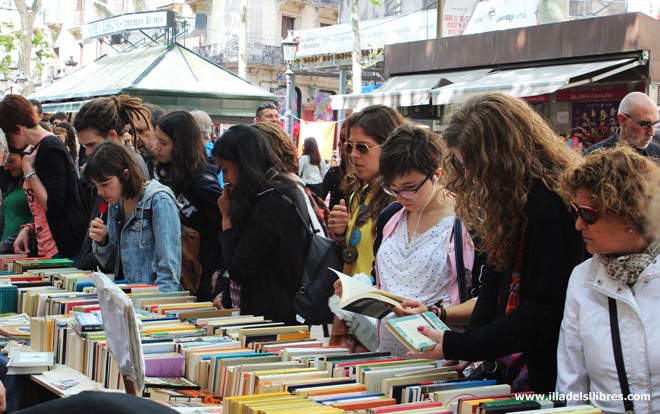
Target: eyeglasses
[(458, 162), (361, 147), (588, 214), (644, 124), (405, 193)]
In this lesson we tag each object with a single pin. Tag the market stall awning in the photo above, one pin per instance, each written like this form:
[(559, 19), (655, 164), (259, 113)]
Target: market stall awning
[(408, 90), (533, 81), (171, 76)]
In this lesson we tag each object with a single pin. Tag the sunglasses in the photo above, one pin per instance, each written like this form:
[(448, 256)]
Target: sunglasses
[(587, 214), (405, 193), (266, 106), (361, 147), (644, 124)]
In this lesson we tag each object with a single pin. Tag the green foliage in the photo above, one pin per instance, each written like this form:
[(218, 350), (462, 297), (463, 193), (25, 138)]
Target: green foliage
[(376, 2), (42, 41)]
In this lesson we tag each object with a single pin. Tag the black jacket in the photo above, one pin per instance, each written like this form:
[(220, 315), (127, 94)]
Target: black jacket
[(267, 260), (199, 207), (65, 213), (551, 249)]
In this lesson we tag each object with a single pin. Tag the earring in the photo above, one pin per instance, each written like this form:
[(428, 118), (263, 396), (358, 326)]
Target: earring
[(630, 230)]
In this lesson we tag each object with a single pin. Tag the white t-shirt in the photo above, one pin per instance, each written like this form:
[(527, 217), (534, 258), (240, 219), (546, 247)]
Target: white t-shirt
[(310, 173), (417, 270)]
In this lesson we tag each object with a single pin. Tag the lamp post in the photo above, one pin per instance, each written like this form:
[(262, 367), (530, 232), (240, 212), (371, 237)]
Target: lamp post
[(289, 46)]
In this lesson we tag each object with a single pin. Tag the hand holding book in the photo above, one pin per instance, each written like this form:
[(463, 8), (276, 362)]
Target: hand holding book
[(436, 352)]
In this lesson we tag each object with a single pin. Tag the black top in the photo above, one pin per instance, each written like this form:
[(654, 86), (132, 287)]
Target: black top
[(199, 206), (551, 249), (653, 149), (267, 260), (332, 184), (66, 216), (100, 403)]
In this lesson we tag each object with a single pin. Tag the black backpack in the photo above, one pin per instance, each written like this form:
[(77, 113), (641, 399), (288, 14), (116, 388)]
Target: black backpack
[(321, 255)]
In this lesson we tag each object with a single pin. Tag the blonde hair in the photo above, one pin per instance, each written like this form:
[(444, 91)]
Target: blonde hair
[(621, 183)]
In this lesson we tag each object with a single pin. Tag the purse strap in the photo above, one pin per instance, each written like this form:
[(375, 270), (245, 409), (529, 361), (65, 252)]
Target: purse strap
[(618, 357), (460, 265)]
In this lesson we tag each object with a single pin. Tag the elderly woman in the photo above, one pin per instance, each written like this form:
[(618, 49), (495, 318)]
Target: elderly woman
[(612, 299)]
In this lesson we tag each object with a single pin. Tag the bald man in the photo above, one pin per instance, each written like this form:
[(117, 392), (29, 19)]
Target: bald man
[(638, 120)]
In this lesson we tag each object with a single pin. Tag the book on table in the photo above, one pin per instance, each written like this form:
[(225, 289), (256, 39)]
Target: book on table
[(365, 299), (404, 328)]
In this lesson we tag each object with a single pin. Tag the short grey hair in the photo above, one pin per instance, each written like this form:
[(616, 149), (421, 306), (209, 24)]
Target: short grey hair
[(4, 149), (204, 121)]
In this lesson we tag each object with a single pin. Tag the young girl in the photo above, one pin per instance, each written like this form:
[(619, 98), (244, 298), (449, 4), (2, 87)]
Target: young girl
[(416, 257), (182, 166), (142, 240), (50, 182)]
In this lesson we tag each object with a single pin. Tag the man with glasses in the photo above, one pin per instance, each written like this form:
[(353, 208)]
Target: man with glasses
[(267, 113), (638, 121)]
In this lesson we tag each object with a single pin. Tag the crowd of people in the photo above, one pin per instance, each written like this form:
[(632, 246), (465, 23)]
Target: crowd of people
[(538, 257)]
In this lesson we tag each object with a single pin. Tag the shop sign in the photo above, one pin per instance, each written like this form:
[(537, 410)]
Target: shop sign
[(537, 99), (128, 22), (490, 15), (592, 93), (457, 14)]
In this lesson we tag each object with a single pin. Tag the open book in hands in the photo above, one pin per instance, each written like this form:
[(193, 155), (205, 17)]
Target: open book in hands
[(405, 329), (365, 299)]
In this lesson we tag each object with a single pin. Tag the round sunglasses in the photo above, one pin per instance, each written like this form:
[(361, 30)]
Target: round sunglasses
[(588, 214)]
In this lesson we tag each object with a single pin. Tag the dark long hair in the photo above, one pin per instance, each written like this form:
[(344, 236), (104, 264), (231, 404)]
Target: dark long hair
[(248, 148), (311, 148), (112, 160), (70, 138), (188, 160)]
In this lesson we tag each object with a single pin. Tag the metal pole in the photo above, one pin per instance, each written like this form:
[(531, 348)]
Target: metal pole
[(341, 114), (288, 116)]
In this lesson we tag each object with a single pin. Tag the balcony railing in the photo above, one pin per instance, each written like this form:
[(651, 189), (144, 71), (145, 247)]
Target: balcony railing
[(258, 53)]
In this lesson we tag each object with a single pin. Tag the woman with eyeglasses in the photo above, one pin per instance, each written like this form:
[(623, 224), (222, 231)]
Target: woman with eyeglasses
[(504, 167), (416, 257), (352, 221), (612, 298)]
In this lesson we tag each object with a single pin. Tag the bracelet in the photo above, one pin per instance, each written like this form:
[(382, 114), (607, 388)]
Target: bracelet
[(29, 175), (339, 238)]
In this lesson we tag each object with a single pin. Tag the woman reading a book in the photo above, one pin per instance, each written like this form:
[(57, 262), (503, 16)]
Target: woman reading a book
[(263, 236), (182, 166), (352, 221), (416, 257), (50, 183), (142, 240), (609, 193), (504, 168)]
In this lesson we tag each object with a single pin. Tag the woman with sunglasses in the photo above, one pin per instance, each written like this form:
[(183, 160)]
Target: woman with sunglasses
[(504, 168), (609, 193), (416, 257), (353, 223)]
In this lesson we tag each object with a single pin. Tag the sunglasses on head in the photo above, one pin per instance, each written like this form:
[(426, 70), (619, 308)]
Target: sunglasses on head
[(266, 106), (588, 214), (644, 124), (360, 147)]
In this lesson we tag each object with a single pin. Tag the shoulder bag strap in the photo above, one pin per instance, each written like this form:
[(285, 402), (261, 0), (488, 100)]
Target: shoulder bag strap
[(618, 356), (460, 266), (292, 204)]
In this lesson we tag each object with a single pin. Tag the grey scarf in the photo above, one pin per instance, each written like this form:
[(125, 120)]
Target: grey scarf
[(627, 268)]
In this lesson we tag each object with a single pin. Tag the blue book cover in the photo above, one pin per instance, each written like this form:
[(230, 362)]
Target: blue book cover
[(8, 298)]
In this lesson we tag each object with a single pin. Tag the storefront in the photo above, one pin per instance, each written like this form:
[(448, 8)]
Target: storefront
[(574, 73)]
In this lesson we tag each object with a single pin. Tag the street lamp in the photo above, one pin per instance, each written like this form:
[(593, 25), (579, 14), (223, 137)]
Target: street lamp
[(289, 48)]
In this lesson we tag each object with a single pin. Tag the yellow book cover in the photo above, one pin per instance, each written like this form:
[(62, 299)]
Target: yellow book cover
[(228, 401)]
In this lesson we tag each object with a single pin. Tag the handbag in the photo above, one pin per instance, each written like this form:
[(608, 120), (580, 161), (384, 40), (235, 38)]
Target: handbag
[(317, 284), (628, 404)]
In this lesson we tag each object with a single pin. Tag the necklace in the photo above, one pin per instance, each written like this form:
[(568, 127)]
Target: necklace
[(350, 253)]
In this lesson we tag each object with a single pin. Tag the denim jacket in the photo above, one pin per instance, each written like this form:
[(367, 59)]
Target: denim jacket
[(150, 243)]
